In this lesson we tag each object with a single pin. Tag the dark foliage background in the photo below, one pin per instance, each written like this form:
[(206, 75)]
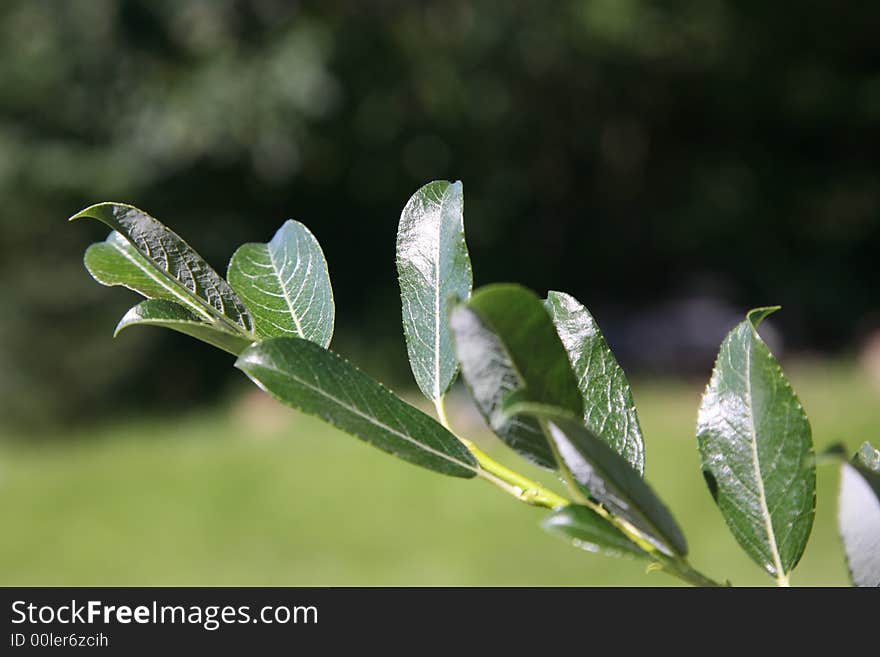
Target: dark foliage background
[(669, 163)]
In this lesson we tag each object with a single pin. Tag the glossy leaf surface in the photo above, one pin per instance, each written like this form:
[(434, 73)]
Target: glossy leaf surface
[(433, 270), (858, 516), (175, 265), (588, 530), (509, 349), (609, 409), (285, 285), (319, 382), (167, 314), (756, 450)]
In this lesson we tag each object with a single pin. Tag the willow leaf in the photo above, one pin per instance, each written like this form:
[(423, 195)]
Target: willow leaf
[(587, 530), (609, 409), (757, 452), (167, 314), (433, 269), (285, 285), (509, 350), (316, 381)]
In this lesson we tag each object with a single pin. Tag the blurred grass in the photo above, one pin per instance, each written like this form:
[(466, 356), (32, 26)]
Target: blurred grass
[(265, 496)]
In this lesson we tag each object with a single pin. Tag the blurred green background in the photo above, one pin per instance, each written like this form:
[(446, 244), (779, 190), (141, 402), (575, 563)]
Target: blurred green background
[(668, 163), (260, 495)]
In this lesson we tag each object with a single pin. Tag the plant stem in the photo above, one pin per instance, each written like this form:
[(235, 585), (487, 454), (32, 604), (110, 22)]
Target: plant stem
[(522, 488), (533, 493), (440, 406), (676, 566), (511, 482)]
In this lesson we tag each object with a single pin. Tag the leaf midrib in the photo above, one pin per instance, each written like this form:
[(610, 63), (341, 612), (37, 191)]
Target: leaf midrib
[(437, 298), (287, 298), (762, 495), (371, 419), (164, 283)]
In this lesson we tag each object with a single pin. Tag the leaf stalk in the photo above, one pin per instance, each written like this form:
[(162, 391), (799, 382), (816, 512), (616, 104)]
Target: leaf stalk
[(511, 482), (533, 493)]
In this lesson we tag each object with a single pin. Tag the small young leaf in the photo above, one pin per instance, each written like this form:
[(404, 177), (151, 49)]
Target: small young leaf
[(116, 262), (608, 402), (588, 530), (757, 452), (160, 312), (316, 381), (509, 349), (594, 471), (858, 515), (285, 285), (175, 266), (433, 268)]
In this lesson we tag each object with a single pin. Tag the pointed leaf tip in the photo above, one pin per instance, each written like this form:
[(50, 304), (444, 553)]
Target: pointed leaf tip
[(94, 211), (758, 315)]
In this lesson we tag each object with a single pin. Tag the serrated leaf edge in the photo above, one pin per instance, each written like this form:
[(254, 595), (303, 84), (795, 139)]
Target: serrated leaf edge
[(245, 359)]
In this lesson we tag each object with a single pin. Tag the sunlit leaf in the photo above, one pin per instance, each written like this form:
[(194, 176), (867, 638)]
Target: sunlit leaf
[(285, 285), (433, 269), (757, 452), (609, 409)]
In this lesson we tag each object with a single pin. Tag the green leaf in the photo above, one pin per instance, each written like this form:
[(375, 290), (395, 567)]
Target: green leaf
[(316, 381), (116, 262), (609, 408), (586, 529), (285, 285), (858, 515), (176, 268), (594, 471), (757, 452), (509, 350), (433, 269), (160, 312)]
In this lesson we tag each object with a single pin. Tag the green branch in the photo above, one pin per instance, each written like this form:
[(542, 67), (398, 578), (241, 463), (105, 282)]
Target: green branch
[(511, 482)]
